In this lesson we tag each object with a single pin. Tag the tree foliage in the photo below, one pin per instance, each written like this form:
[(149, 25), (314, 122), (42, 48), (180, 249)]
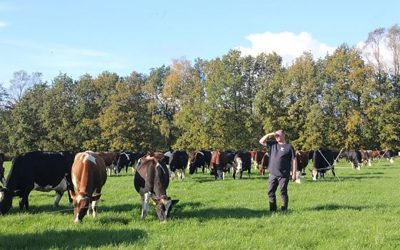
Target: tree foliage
[(350, 98)]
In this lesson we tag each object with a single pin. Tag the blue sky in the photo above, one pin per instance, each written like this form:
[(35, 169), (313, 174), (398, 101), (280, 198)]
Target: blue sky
[(87, 36)]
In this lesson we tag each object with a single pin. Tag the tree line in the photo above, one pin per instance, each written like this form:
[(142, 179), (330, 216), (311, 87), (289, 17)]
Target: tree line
[(229, 102)]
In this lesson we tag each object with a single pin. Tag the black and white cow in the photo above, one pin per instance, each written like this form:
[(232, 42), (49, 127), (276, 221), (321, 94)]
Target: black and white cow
[(151, 182), (366, 157), (323, 160), (354, 157), (42, 171), (389, 155), (176, 161), (126, 160), (242, 162), (201, 159)]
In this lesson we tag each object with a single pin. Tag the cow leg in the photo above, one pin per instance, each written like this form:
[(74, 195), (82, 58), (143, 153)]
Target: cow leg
[(391, 160), (145, 205), (59, 194), (314, 174), (24, 202), (183, 174), (369, 163), (94, 208)]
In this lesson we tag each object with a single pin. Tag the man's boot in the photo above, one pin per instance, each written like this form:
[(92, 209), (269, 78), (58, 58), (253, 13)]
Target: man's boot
[(272, 206)]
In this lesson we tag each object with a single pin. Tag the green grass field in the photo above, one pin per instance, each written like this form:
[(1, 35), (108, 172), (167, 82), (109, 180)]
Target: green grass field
[(361, 211)]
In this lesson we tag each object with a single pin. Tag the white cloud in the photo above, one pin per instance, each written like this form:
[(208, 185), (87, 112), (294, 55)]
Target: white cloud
[(286, 44), (3, 24)]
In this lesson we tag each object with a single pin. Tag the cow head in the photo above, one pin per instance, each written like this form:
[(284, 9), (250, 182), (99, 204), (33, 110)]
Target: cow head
[(192, 168), (81, 205), (164, 206), (5, 200)]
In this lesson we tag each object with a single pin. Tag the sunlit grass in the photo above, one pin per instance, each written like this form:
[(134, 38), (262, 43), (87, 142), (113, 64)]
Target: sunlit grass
[(359, 211)]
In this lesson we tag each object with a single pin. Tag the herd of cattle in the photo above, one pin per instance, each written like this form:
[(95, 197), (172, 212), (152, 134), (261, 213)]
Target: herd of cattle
[(84, 174)]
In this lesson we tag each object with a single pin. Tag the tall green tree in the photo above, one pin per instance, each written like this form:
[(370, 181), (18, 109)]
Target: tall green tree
[(57, 115)]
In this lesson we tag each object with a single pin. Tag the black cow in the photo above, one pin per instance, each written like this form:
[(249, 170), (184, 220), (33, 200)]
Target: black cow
[(242, 162), (200, 159), (127, 159), (42, 171), (151, 182), (354, 157), (177, 161), (323, 160)]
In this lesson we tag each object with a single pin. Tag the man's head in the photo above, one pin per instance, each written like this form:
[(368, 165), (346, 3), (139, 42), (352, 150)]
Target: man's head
[(280, 136)]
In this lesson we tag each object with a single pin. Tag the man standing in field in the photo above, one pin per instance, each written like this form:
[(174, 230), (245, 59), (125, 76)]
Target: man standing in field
[(282, 160)]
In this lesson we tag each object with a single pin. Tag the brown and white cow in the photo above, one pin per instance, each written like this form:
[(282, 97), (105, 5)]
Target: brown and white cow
[(151, 182), (257, 160), (110, 160), (302, 158), (88, 176)]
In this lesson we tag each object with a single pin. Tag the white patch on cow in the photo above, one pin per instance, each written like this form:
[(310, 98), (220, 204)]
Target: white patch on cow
[(168, 154), (239, 164), (94, 208), (145, 205), (1, 195), (91, 158)]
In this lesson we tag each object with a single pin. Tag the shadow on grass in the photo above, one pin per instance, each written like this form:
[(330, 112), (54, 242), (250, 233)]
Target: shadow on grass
[(328, 207), (220, 213), (71, 239)]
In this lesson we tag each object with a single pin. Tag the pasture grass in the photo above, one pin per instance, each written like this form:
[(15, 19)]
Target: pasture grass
[(361, 211)]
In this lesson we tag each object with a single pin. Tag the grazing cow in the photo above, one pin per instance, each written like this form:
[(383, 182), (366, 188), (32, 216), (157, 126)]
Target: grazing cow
[(354, 157), (42, 171), (110, 160), (177, 162), (376, 154), (89, 175), (221, 162), (302, 158), (365, 157), (323, 160), (127, 159), (242, 162), (264, 164), (151, 182), (257, 159), (2, 178), (201, 159), (389, 155)]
